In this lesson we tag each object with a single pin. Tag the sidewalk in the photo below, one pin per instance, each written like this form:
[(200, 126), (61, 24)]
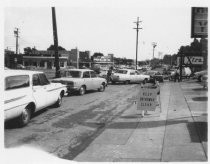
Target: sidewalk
[(167, 136)]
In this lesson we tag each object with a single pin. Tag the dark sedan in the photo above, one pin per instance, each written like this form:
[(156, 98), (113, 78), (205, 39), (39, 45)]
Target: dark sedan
[(155, 75)]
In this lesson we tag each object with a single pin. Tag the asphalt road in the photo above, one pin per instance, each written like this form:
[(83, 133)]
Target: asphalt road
[(68, 130)]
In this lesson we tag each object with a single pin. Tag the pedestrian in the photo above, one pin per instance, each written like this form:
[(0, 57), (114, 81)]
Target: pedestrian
[(109, 73), (176, 76)]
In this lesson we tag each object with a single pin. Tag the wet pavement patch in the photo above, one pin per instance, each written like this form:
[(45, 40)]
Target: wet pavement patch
[(200, 98), (82, 117), (29, 139)]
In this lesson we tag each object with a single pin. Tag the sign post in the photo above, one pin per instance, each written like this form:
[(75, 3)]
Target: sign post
[(147, 99)]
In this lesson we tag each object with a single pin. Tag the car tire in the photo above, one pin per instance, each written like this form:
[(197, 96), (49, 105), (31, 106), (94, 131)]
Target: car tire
[(59, 101), (25, 116), (144, 81), (102, 88), (199, 78), (82, 90), (127, 82)]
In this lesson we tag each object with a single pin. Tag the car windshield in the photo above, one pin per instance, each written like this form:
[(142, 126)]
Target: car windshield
[(75, 74), (122, 71)]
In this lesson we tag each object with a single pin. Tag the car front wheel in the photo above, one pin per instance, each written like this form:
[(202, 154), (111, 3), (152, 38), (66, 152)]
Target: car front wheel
[(25, 116), (102, 88), (82, 90), (59, 101)]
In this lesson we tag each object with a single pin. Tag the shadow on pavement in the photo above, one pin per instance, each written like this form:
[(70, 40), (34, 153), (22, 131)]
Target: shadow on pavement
[(202, 130), (200, 98), (200, 89)]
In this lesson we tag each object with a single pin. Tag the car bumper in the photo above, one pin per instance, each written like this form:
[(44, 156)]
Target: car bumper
[(71, 89)]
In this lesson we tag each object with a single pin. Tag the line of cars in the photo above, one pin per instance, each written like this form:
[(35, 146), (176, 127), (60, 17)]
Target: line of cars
[(26, 92)]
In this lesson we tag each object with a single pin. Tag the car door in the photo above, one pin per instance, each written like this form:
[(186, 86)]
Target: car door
[(132, 76), (39, 92), (87, 80), (51, 91), (95, 81), (138, 76)]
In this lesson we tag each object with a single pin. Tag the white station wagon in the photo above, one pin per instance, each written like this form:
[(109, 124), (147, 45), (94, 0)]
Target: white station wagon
[(81, 80), (129, 76), (26, 92)]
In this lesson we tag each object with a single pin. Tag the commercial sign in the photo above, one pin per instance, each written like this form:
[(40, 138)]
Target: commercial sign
[(102, 59), (197, 60), (147, 99), (191, 60), (199, 23)]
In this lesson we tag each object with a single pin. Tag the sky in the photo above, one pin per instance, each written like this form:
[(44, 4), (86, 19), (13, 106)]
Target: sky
[(104, 26)]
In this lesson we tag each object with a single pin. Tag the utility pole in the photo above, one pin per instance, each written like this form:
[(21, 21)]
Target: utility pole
[(154, 45), (16, 32), (57, 67), (137, 32)]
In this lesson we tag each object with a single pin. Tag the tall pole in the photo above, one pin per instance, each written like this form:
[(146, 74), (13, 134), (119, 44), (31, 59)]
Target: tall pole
[(16, 32), (57, 67), (137, 32), (154, 45)]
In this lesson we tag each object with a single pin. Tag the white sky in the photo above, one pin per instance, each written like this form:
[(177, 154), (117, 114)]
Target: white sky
[(102, 25)]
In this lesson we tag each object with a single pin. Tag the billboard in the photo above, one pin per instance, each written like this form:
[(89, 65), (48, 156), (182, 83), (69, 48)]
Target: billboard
[(191, 60), (199, 22)]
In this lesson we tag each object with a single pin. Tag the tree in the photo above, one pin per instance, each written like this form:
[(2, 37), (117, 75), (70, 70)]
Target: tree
[(96, 54), (27, 50), (52, 47)]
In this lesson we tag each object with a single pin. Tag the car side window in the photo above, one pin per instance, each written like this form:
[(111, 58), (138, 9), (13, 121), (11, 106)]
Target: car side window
[(14, 82), (137, 73), (36, 80), (43, 79), (86, 74), (93, 74), (132, 73), (158, 73)]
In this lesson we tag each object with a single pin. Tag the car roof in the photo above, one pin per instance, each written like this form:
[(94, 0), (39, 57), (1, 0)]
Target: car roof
[(127, 69), (82, 70), (11, 72)]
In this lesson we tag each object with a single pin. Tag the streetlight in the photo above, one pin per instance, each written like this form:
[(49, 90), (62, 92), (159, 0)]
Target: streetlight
[(154, 45)]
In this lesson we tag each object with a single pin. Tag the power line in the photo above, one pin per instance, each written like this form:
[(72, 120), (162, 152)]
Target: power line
[(137, 31)]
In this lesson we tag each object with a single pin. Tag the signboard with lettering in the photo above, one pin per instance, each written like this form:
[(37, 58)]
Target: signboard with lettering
[(197, 60), (102, 59), (199, 23), (191, 60), (147, 99)]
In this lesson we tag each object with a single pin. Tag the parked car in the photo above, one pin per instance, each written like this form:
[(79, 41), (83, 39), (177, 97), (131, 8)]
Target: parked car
[(199, 75), (20, 66), (26, 92), (186, 72), (155, 75), (129, 76), (103, 74), (81, 80), (204, 81)]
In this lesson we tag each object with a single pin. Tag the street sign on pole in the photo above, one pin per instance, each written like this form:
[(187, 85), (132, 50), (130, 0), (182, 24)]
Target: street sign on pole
[(147, 99), (199, 23)]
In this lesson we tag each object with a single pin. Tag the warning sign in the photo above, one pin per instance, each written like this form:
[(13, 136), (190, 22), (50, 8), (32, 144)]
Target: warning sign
[(147, 99)]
